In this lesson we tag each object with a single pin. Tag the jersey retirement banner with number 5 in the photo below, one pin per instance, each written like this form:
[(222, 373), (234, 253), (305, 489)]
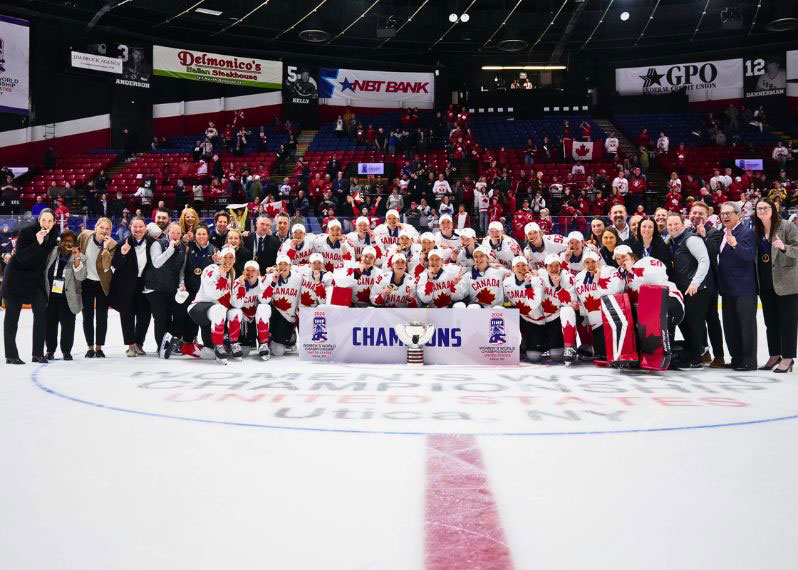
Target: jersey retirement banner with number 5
[(765, 76)]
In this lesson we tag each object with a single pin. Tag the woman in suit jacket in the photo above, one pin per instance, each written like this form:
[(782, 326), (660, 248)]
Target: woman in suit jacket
[(98, 249), (66, 270), (24, 282), (648, 243), (777, 269)]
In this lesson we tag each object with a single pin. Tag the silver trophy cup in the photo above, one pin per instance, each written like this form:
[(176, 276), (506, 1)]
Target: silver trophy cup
[(415, 335)]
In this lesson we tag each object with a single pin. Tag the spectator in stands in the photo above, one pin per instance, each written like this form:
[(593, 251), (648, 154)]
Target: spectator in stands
[(777, 249), (211, 132), (529, 152), (441, 187), (206, 150), (644, 139), (395, 200), (54, 192), (49, 158), (720, 138), (9, 198), (61, 212), (339, 126), (611, 146), (546, 150), (758, 119), (781, 154), (196, 153), (663, 144), (445, 206), (621, 184), (301, 204)]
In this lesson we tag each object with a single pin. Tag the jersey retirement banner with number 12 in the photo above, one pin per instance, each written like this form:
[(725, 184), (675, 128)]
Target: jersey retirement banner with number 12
[(14, 70), (765, 76)]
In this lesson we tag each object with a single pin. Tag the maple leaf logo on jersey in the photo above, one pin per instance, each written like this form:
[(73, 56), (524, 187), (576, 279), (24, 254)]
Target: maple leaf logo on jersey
[(603, 282), (638, 271), (320, 291), (582, 150), (268, 292), (523, 308), (592, 303), (428, 288), (363, 295), (485, 297), (350, 271), (529, 293), (306, 299), (564, 296), (221, 284), (443, 300), (241, 293), (548, 307), (282, 304), (328, 266)]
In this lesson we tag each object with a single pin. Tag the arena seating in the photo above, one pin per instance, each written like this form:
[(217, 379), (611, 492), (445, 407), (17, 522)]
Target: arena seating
[(496, 131), (185, 143), (76, 169), (328, 141)]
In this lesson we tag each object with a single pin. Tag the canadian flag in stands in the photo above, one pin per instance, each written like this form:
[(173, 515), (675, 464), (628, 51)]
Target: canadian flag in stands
[(274, 208), (579, 150)]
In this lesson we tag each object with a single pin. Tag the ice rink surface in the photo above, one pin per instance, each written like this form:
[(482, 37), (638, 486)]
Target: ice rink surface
[(141, 463)]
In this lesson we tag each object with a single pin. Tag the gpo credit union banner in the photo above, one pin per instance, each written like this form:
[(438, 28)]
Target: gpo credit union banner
[(703, 80), (14, 68), (216, 68), (377, 88), (329, 333)]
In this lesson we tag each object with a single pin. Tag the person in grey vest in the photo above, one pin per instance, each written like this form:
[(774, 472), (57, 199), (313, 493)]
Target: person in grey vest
[(690, 272), (66, 270), (163, 279)]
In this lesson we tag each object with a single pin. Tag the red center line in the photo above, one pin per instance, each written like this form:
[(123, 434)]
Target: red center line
[(463, 531)]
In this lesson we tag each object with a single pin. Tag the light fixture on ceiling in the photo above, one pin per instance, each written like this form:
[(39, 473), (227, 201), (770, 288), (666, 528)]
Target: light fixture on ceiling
[(785, 17), (453, 17), (523, 67), (464, 18), (624, 16), (511, 41), (313, 30), (209, 12)]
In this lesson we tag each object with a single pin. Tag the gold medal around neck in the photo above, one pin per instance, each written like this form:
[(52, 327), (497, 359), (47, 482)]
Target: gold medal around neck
[(197, 271)]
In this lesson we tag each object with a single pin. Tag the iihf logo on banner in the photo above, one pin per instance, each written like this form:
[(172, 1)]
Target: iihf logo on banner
[(2, 56), (498, 334), (319, 328)]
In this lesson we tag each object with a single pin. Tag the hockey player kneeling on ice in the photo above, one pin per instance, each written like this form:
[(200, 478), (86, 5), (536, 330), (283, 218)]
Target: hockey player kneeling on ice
[(590, 285), (538, 245), (524, 290), (484, 282), (503, 246), (316, 282), (395, 287), (248, 317), (287, 284), (653, 346), (360, 277), (210, 305), (559, 310), (441, 285), (300, 247)]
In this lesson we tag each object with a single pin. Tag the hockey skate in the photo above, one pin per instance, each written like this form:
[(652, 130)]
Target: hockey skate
[(264, 352), (166, 342), (235, 352), (221, 354), (569, 355)]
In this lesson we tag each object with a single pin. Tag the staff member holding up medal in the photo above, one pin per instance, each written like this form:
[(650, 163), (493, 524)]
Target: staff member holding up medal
[(201, 253), (67, 269)]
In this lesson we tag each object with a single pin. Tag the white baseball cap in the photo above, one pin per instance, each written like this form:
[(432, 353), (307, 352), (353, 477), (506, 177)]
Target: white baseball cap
[(398, 257), (405, 233), (520, 259), (436, 252), (253, 264), (593, 255), (283, 259), (154, 230), (427, 236), (315, 257), (299, 227), (576, 235), (362, 219), (369, 249), (551, 258), (467, 232), (531, 227), (227, 250), (391, 212), (496, 226), (333, 223), (622, 249), (483, 250), (445, 217)]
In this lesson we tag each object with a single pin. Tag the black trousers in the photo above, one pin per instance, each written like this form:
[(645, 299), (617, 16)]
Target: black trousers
[(781, 323), (59, 313), (168, 315), (92, 294), (198, 314), (739, 324), (190, 328), (11, 323), (713, 327), (136, 317), (694, 323)]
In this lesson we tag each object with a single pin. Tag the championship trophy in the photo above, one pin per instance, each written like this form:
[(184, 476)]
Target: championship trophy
[(415, 335)]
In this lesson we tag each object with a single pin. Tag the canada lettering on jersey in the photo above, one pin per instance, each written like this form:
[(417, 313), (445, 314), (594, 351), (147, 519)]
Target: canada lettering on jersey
[(382, 336), (444, 285), (482, 282), (285, 292)]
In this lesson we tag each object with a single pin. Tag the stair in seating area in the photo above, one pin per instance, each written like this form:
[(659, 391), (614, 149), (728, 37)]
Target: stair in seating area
[(303, 141)]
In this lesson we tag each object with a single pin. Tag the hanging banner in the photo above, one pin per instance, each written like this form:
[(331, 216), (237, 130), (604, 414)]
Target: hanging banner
[(377, 88), (792, 73), (129, 65), (301, 94), (765, 76), (329, 333), (14, 68), (217, 68), (703, 81)]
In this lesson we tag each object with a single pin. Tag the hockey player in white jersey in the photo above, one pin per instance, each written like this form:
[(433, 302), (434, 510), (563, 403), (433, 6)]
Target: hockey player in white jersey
[(286, 285), (441, 285), (316, 283), (395, 287), (590, 284), (648, 271), (558, 308), (360, 276), (333, 246), (464, 254), (446, 235), (300, 247), (210, 305), (416, 253), (387, 233), (539, 246), (573, 257), (484, 282), (503, 246), (250, 311), (524, 290), (363, 237)]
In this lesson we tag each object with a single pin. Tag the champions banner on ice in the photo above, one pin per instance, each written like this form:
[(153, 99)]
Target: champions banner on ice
[(217, 68), (377, 88), (329, 333), (703, 80), (14, 71)]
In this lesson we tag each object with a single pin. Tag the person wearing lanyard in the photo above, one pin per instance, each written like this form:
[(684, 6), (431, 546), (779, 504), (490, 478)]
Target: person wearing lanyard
[(66, 271), (201, 254), (25, 282), (777, 252)]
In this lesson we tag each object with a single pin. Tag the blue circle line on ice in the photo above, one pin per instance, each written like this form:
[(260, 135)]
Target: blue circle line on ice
[(37, 382)]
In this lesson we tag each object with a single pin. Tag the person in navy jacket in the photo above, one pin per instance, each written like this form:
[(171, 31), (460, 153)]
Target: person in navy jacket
[(738, 287)]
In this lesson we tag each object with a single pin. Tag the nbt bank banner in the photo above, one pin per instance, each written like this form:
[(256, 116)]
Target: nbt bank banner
[(363, 88), (329, 333), (702, 80)]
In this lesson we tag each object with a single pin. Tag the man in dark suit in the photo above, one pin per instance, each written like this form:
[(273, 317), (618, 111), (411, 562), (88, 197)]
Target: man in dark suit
[(333, 167), (263, 244), (738, 286)]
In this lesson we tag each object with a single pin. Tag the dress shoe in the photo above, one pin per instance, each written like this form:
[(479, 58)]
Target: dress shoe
[(99, 354), (771, 363), (14, 361), (90, 353), (718, 362), (50, 356), (139, 350), (707, 358), (67, 356), (745, 367), (131, 352), (39, 359), (779, 370)]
